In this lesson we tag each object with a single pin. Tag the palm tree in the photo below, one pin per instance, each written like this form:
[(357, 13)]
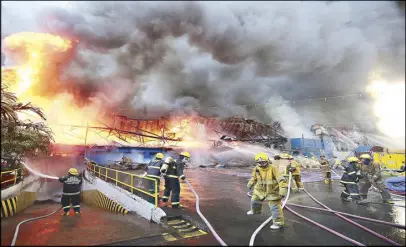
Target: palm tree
[(10, 106)]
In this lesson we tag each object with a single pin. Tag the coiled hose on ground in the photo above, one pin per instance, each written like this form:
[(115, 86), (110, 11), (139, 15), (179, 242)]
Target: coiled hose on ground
[(270, 218), (24, 221), (204, 218), (355, 223)]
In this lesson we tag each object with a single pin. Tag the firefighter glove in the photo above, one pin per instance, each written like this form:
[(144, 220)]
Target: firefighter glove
[(283, 192)]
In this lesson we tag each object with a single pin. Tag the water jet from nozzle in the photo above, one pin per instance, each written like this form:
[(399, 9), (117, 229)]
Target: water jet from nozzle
[(38, 173)]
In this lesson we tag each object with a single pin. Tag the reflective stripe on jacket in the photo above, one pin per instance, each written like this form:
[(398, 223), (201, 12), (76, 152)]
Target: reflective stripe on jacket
[(350, 175), (268, 182), (154, 168), (71, 184)]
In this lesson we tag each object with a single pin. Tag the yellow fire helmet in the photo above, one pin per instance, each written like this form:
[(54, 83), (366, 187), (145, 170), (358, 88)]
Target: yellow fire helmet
[(290, 157), (352, 159), (284, 156), (159, 156), (73, 171), (261, 157), (186, 154), (365, 156)]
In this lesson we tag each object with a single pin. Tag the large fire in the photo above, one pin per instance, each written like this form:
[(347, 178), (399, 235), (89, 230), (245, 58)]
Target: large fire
[(40, 58)]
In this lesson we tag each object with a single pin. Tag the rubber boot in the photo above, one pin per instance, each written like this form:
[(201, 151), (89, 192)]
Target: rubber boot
[(77, 213), (275, 226), (388, 201), (65, 214), (346, 199)]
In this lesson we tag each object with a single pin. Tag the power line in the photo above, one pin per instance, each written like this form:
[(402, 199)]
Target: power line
[(270, 102)]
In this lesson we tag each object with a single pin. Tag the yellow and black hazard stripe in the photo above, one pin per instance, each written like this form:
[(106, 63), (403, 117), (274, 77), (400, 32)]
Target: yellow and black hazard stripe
[(98, 199), (184, 229), (9, 207)]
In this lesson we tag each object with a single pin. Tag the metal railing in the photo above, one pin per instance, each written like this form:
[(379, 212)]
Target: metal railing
[(14, 174), (133, 183)]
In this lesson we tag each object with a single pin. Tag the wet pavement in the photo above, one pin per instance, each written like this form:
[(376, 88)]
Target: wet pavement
[(93, 227), (224, 203)]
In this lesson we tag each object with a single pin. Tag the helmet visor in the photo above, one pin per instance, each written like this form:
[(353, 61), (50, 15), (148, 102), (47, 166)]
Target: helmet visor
[(366, 161), (262, 163)]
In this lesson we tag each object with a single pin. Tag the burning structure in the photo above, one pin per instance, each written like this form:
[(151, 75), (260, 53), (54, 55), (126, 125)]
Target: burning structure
[(42, 57)]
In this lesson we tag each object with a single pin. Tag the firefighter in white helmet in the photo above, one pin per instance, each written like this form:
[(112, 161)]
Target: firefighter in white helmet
[(173, 170), (268, 185), (371, 172)]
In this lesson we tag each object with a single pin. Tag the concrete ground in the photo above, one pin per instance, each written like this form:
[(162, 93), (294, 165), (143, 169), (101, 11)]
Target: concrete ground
[(224, 203), (93, 227)]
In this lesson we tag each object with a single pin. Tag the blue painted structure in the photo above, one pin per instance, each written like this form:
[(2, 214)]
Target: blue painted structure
[(363, 149), (312, 147), (105, 155)]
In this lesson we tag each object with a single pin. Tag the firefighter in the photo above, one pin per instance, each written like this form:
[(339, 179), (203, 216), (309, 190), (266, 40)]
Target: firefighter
[(337, 163), (325, 167), (294, 168), (350, 180), (371, 172), (268, 185), (173, 170), (154, 172), (71, 191)]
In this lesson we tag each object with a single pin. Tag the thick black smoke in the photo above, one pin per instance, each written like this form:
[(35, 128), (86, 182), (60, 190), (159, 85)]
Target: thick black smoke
[(151, 58)]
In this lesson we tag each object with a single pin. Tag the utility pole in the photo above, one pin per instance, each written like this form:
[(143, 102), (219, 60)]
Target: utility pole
[(87, 129)]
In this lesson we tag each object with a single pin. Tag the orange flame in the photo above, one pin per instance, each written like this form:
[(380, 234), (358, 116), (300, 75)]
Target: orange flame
[(39, 56)]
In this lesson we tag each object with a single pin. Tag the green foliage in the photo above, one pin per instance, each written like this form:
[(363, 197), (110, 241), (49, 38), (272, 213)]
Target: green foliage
[(19, 138)]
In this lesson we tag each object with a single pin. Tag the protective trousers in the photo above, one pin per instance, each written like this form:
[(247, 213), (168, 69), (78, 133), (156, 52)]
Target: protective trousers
[(67, 200), (297, 179), (151, 189), (172, 185), (365, 184), (274, 206), (327, 177), (351, 190), (293, 183)]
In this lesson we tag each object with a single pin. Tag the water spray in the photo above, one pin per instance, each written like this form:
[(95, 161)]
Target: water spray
[(38, 173)]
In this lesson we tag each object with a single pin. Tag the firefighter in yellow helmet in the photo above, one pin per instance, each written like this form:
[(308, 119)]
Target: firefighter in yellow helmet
[(294, 168), (268, 185), (371, 172), (154, 172), (71, 191), (325, 168), (173, 170), (350, 180)]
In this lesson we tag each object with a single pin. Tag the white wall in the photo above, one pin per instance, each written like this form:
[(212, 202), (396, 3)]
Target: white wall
[(29, 184), (127, 200)]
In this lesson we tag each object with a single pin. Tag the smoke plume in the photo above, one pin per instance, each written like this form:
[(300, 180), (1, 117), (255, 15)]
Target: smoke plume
[(146, 59)]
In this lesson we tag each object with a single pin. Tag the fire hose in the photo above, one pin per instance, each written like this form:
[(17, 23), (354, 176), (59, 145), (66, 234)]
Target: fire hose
[(350, 215), (24, 221), (355, 223), (204, 218), (307, 219), (270, 218)]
